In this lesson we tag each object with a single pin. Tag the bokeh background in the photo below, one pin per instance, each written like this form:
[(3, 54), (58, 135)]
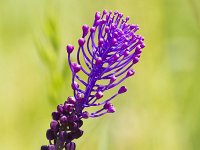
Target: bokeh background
[(161, 111)]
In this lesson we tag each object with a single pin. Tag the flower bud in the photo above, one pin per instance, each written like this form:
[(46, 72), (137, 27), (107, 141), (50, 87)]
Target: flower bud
[(71, 100), (81, 42), (52, 147), (122, 89), (99, 94), (85, 29), (55, 115), (97, 16), (50, 134), (44, 147), (76, 67), (63, 120), (75, 85), (85, 115), (130, 73), (70, 48), (54, 125), (135, 60), (70, 146), (111, 109)]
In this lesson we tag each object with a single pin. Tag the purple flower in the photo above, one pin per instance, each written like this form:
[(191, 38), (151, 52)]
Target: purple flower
[(107, 51)]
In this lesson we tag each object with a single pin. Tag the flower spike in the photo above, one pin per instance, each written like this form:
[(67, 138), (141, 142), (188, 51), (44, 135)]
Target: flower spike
[(107, 52)]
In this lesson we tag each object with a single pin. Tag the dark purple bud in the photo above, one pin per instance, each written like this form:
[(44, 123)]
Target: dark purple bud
[(81, 42), (63, 120), (68, 107), (54, 125), (79, 123), (73, 118), (85, 115), (112, 79), (60, 108), (130, 73), (55, 115), (77, 134), (75, 85), (51, 147), (76, 67), (73, 126), (70, 48), (63, 136), (98, 60), (71, 100), (44, 147), (85, 29), (66, 113), (70, 146), (99, 94), (50, 134), (70, 136), (122, 89)]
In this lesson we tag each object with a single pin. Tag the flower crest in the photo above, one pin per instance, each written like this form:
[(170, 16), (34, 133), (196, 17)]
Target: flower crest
[(106, 52)]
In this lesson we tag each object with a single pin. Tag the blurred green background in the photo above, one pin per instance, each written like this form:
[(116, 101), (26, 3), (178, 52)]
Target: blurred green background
[(161, 111)]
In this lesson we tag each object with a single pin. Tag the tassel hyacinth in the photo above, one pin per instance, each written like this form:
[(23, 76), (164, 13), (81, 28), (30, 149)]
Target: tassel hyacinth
[(107, 51)]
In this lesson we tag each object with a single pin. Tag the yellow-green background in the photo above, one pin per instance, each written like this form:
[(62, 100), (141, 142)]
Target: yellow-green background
[(160, 111)]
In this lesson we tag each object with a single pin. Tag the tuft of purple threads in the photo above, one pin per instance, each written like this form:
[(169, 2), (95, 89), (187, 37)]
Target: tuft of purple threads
[(109, 49)]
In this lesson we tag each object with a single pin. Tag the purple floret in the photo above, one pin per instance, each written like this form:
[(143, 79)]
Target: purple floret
[(107, 52)]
